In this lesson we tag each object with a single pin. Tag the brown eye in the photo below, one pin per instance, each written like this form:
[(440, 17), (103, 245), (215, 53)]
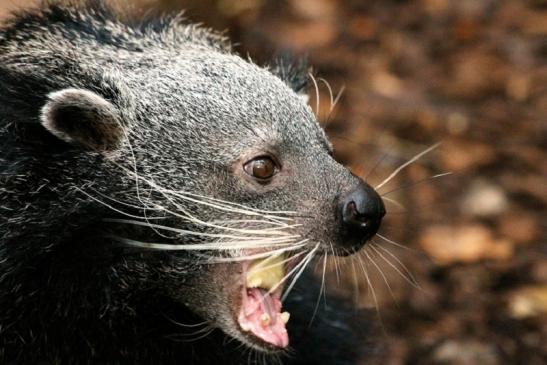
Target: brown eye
[(261, 168)]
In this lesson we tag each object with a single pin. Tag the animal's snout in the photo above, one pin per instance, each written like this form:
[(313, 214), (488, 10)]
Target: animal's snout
[(361, 211)]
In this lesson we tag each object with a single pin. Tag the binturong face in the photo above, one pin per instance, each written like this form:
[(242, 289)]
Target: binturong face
[(219, 185)]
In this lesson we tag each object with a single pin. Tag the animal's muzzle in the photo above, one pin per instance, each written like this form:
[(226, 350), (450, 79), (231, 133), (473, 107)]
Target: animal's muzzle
[(360, 213)]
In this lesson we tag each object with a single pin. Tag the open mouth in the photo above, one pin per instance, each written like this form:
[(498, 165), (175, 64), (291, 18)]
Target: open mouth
[(260, 314)]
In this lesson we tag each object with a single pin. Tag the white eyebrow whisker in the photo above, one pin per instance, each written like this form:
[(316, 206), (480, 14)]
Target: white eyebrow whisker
[(412, 160), (317, 98)]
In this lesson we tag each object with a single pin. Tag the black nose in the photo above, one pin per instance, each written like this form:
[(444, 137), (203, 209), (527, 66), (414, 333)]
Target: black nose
[(361, 211)]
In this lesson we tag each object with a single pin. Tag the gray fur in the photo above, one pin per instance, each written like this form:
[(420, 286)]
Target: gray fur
[(191, 112)]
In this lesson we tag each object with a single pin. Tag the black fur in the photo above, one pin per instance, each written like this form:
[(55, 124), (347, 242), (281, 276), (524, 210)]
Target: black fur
[(190, 110)]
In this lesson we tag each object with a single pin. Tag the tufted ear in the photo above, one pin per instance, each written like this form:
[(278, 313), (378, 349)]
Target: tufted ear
[(84, 118), (295, 73)]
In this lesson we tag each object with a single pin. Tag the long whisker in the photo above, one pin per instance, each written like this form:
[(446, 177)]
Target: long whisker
[(371, 260), (412, 160), (181, 337), (129, 205), (416, 183), (280, 251), (393, 242), (189, 217), (355, 281), (199, 324), (338, 96), (394, 202), (211, 246), (223, 208), (109, 206), (137, 178), (321, 289), (228, 203), (218, 204), (330, 92), (370, 286), (278, 232), (260, 266), (410, 278), (306, 261), (252, 221), (292, 271), (316, 93)]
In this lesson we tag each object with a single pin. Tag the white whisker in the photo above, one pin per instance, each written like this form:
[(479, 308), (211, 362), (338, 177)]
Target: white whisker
[(413, 159), (252, 221), (410, 279), (209, 246), (316, 93), (392, 242), (371, 260), (370, 286), (109, 206), (321, 289), (306, 261), (338, 96), (394, 202), (280, 251), (330, 92), (189, 217), (228, 203), (355, 281), (282, 235), (260, 266), (417, 183)]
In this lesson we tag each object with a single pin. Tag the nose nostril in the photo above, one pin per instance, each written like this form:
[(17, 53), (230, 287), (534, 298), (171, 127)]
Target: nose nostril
[(361, 212), (353, 215), (350, 212)]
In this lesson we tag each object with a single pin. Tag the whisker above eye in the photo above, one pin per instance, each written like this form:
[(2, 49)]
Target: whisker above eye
[(416, 183), (409, 162)]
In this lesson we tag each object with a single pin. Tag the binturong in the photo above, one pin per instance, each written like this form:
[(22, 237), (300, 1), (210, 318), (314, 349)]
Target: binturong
[(161, 199)]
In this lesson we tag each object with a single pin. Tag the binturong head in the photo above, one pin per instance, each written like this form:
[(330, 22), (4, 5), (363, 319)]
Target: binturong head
[(202, 180)]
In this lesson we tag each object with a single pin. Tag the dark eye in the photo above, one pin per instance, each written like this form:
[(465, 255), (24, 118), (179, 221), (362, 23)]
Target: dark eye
[(261, 168)]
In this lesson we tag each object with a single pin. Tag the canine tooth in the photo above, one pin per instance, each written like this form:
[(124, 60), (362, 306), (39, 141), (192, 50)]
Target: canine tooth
[(285, 317), (245, 328), (265, 320)]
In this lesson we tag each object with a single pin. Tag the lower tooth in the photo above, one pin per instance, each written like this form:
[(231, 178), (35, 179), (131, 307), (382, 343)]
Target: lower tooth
[(265, 320), (285, 317), (245, 328)]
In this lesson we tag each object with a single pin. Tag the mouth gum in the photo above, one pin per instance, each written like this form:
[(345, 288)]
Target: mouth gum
[(260, 312), (255, 318)]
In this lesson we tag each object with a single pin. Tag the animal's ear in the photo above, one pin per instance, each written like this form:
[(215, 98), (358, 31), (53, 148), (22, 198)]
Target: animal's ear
[(295, 73), (84, 118)]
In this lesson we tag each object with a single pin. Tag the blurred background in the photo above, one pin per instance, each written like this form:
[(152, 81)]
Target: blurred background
[(459, 273)]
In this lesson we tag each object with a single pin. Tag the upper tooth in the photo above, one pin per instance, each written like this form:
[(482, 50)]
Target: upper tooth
[(266, 273)]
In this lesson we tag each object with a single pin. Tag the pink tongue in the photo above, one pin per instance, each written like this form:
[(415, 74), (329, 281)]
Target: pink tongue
[(257, 304)]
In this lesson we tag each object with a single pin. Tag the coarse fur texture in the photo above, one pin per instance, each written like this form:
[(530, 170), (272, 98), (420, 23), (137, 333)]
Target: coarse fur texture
[(118, 138)]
